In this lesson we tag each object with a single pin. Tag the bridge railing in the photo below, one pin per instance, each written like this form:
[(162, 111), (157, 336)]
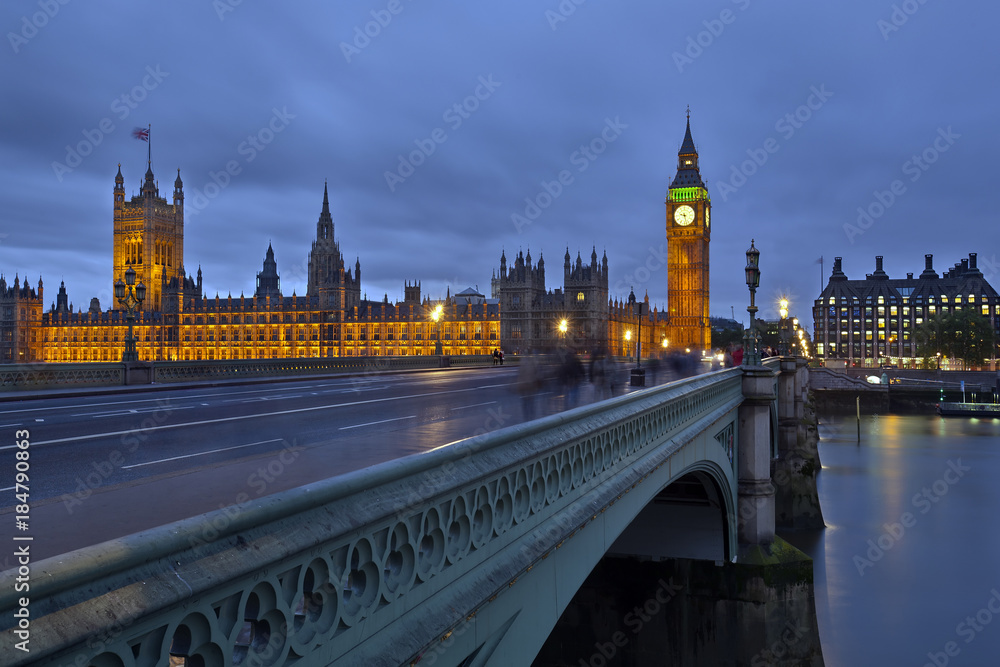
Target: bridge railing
[(313, 574), (187, 371), (44, 375)]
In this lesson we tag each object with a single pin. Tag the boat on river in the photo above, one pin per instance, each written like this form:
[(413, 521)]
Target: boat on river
[(968, 409)]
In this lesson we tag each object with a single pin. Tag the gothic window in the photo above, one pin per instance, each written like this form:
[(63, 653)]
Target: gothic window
[(580, 297)]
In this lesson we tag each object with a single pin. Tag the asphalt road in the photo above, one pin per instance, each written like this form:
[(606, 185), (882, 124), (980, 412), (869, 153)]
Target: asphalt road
[(104, 466)]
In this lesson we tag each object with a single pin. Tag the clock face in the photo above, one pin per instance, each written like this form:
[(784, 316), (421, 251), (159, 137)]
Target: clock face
[(684, 215)]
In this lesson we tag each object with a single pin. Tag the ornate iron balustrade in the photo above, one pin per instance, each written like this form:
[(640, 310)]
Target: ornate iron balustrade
[(18, 376), (375, 566), (190, 371)]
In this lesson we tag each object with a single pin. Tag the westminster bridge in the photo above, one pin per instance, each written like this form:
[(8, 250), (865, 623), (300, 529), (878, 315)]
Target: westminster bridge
[(463, 555)]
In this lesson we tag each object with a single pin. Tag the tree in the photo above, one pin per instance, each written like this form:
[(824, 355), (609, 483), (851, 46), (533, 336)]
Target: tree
[(962, 334)]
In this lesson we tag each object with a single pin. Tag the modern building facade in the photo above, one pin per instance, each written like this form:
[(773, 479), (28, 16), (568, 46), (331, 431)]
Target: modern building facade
[(872, 321)]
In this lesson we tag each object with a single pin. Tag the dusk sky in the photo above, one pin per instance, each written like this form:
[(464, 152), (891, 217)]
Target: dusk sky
[(435, 124)]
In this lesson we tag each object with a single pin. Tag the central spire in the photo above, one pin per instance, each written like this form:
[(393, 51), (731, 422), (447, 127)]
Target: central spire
[(324, 227)]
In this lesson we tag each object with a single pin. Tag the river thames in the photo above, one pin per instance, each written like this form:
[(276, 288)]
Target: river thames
[(907, 571)]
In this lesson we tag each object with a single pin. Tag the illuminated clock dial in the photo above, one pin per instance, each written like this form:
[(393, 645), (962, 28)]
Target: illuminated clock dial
[(707, 217), (684, 215)]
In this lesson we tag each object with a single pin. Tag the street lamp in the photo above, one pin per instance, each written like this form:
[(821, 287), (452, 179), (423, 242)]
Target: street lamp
[(638, 378), (436, 315), (751, 355), (783, 327), (563, 327), (130, 296)]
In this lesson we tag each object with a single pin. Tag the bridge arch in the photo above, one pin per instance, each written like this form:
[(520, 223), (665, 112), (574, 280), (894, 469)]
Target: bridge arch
[(392, 565)]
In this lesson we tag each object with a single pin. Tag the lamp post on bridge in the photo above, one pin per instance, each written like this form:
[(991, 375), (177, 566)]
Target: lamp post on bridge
[(783, 327), (638, 378), (436, 315), (755, 502), (130, 296), (751, 353)]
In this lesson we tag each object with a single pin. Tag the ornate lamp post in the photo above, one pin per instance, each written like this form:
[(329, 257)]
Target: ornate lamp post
[(563, 328), (436, 315), (638, 378), (751, 353), (783, 327), (130, 296)]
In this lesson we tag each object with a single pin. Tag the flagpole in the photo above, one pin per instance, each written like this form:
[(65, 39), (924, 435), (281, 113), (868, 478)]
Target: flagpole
[(821, 274), (149, 145)]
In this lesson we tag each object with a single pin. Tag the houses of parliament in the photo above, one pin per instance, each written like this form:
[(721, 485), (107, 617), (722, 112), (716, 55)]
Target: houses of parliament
[(177, 321)]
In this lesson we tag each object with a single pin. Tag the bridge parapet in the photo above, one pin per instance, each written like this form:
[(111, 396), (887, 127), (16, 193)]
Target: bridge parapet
[(377, 566), (61, 375)]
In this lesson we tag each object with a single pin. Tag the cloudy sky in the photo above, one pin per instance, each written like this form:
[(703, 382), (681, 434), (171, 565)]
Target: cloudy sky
[(850, 129)]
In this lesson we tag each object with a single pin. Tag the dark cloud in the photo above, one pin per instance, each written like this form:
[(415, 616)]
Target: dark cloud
[(211, 81)]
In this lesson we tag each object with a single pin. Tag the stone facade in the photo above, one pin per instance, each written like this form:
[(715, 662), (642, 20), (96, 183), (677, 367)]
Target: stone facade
[(871, 322)]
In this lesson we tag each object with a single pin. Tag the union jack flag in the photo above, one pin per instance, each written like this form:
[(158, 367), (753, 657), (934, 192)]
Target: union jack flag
[(141, 133)]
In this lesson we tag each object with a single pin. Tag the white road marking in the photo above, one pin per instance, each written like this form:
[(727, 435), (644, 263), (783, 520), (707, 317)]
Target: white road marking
[(124, 412), (463, 407), (384, 421), (213, 451)]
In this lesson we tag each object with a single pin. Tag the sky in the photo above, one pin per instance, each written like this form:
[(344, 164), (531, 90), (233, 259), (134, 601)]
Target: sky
[(448, 132)]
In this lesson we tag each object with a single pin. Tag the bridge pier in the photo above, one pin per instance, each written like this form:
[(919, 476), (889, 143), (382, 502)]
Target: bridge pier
[(795, 468), (755, 519)]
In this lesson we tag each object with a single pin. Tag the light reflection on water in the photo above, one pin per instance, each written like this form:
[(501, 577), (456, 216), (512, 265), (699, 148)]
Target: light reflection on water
[(908, 592)]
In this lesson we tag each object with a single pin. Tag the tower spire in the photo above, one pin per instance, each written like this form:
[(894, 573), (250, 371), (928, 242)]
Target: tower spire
[(324, 227), (688, 174)]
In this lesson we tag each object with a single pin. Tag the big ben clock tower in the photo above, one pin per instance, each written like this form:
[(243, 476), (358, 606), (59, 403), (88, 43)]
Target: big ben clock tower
[(688, 233)]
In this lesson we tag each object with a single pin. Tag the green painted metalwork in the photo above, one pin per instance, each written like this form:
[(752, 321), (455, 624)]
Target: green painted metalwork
[(689, 194), (387, 564)]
